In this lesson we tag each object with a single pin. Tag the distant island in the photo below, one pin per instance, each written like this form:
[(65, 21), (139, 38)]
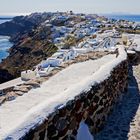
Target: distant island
[(5, 18), (2, 17)]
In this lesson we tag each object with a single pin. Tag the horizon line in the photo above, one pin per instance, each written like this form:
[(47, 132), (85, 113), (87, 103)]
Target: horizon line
[(28, 13)]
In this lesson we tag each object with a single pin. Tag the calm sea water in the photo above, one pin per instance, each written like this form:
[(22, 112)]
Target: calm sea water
[(135, 18), (4, 44), (2, 21)]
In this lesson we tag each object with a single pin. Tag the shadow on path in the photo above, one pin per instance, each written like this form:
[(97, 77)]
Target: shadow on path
[(120, 120)]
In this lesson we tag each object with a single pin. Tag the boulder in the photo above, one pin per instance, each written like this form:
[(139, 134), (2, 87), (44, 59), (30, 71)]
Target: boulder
[(32, 83), (2, 99), (19, 93), (21, 88), (10, 96)]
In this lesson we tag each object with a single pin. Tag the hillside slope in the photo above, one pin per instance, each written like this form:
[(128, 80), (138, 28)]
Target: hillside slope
[(29, 49)]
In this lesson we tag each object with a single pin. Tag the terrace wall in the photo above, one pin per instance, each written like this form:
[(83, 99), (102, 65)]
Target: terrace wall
[(92, 107)]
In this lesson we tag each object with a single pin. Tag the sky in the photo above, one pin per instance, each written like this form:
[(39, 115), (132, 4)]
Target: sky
[(9, 7)]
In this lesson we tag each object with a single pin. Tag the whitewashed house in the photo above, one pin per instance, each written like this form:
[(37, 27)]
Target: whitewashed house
[(93, 42), (79, 34), (68, 54), (28, 74), (82, 50), (57, 58), (58, 40)]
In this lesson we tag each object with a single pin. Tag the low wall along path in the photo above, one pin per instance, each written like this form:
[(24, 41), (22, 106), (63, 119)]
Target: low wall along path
[(83, 92)]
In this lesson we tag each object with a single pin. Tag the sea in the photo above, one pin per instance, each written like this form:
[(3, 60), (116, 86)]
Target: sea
[(5, 44), (134, 18)]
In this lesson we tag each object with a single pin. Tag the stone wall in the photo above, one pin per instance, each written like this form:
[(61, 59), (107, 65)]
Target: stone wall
[(134, 58), (92, 107)]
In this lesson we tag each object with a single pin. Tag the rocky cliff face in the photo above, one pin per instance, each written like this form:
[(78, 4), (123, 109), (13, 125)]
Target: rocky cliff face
[(33, 40), (31, 45), (31, 48), (5, 75), (22, 24)]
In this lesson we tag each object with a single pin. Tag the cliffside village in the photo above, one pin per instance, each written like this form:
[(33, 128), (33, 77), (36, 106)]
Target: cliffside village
[(91, 53), (92, 33), (78, 37)]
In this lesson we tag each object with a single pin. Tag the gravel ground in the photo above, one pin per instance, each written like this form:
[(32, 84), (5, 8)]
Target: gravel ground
[(124, 121)]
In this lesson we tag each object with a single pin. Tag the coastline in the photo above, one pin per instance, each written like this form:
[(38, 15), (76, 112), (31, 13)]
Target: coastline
[(3, 21), (5, 45), (133, 18)]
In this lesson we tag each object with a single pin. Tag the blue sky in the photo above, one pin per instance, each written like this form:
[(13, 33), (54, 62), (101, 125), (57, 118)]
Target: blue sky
[(86, 6)]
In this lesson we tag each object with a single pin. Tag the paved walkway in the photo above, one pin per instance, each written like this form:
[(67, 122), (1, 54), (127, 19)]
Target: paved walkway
[(124, 122), (31, 108)]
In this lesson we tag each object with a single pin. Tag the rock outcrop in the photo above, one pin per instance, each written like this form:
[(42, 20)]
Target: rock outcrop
[(30, 49), (22, 24), (32, 44), (5, 75)]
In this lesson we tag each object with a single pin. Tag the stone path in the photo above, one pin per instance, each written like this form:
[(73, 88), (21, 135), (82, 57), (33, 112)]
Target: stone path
[(30, 109), (12, 89), (124, 121)]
